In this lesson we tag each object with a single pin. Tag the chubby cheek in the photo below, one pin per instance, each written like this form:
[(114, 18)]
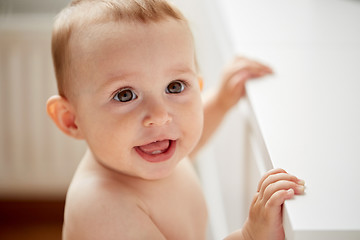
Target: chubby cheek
[(193, 123), (107, 134)]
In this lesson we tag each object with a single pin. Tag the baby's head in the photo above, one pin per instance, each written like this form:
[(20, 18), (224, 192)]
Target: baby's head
[(81, 14), (128, 83)]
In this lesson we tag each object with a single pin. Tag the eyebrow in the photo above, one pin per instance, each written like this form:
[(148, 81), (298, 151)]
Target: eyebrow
[(182, 70), (111, 78), (107, 87)]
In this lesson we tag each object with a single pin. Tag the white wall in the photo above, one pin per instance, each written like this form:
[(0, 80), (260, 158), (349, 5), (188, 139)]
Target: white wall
[(31, 6)]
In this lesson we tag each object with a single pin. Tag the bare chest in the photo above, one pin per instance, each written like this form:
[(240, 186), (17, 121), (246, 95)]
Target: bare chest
[(178, 207)]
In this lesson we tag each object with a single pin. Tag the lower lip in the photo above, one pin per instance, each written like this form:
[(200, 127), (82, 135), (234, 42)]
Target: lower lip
[(155, 158)]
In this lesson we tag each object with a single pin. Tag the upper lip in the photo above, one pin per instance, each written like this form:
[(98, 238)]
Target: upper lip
[(159, 139)]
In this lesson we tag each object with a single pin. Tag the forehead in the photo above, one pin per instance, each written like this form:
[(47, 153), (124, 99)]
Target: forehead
[(107, 50), (103, 51), (101, 40)]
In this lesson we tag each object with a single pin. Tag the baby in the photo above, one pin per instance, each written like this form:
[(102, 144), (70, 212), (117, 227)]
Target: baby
[(129, 86)]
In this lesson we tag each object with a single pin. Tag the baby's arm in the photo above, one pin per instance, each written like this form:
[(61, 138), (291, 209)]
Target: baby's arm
[(230, 91), (265, 217)]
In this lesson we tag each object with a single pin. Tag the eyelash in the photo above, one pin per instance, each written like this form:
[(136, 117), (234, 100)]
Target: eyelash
[(183, 85), (133, 96)]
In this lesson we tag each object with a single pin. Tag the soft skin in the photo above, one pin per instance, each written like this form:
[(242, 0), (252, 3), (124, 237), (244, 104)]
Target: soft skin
[(122, 59), (135, 100), (116, 192)]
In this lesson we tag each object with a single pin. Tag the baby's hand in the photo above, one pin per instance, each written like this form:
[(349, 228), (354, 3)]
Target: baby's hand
[(233, 80), (265, 217)]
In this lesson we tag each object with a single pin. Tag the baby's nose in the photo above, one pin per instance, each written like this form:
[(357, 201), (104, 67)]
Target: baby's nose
[(157, 115)]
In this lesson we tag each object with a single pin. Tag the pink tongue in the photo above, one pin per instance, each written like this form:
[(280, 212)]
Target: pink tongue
[(155, 146)]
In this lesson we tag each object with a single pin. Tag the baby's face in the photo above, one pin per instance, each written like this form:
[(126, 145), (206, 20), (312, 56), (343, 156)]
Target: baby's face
[(137, 98)]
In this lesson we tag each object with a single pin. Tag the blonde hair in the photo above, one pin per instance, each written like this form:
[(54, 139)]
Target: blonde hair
[(80, 13)]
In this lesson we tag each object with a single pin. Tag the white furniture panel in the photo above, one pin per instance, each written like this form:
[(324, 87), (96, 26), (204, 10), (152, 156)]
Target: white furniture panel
[(307, 115)]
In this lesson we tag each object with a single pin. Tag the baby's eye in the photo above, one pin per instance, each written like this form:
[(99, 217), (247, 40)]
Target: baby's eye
[(125, 95), (175, 87)]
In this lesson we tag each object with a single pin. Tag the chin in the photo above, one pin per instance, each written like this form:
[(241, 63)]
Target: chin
[(159, 172)]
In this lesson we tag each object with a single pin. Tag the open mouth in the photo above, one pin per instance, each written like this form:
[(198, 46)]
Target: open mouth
[(157, 151)]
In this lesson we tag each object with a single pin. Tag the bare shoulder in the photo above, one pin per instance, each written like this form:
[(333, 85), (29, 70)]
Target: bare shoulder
[(99, 208)]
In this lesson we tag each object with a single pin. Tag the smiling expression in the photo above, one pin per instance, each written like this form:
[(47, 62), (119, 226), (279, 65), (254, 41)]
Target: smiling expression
[(136, 96)]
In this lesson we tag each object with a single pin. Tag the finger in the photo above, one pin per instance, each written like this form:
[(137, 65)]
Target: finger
[(277, 199), (277, 177), (238, 76), (264, 68), (242, 61), (243, 65), (279, 186), (257, 69), (266, 175)]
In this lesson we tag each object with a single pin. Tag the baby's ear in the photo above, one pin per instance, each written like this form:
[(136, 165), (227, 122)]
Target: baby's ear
[(201, 82), (63, 115)]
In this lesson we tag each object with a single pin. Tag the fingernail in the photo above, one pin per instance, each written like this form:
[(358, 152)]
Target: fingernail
[(300, 189), (290, 192), (301, 182)]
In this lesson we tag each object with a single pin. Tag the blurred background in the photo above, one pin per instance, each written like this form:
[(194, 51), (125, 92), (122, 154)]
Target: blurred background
[(37, 161)]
